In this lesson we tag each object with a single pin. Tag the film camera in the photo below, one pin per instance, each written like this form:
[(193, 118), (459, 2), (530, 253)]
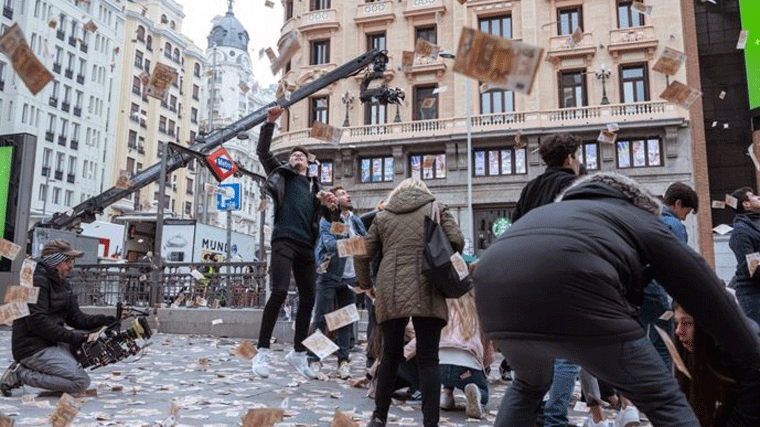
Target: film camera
[(382, 94), (112, 344)]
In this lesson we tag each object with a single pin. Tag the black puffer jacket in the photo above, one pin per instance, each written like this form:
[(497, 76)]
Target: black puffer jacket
[(278, 171), (543, 189), (745, 239), (563, 271), (56, 306)]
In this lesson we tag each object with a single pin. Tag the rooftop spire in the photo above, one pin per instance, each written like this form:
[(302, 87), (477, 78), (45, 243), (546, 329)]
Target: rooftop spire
[(229, 7)]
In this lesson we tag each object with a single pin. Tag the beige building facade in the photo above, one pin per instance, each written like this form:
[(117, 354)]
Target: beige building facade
[(153, 34), (606, 78)]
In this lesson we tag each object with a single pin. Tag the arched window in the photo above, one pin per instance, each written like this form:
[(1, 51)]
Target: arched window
[(197, 70), (168, 50), (140, 33), (149, 42), (172, 25), (176, 55), (164, 19)]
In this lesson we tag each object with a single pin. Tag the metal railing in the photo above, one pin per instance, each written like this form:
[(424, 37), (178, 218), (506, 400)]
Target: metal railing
[(233, 284)]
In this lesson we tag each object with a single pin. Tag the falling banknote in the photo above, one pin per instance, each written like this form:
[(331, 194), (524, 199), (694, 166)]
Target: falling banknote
[(320, 345), (325, 132), (12, 311), (160, 81), (669, 62), (680, 94), (493, 59), (34, 75), (22, 294), (342, 317)]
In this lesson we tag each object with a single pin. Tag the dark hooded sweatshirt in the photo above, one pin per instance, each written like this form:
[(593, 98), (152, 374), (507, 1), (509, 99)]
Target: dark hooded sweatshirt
[(562, 273)]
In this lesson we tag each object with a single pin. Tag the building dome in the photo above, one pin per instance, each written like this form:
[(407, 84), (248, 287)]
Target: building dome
[(228, 32)]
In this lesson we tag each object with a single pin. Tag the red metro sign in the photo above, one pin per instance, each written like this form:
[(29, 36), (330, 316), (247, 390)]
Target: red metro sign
[(221, 164)]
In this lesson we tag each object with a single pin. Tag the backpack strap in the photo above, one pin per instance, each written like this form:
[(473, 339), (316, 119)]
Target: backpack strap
[(435, 213)]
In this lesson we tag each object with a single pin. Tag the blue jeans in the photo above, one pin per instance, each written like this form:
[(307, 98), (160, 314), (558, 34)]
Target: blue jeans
[(655, 303), (328, 292), (749, 301), (451, 378), (563, 383), (54, 369)]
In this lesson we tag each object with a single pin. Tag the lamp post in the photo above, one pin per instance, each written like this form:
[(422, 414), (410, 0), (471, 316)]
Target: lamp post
[(347, 100), (468, 107), (603, 74)]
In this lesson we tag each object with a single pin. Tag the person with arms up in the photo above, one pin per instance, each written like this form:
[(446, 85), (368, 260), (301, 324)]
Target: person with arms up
[(42, 345), (297, 211)]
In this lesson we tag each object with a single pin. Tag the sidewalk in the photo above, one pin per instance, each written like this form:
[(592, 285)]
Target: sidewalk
[(140, 392)]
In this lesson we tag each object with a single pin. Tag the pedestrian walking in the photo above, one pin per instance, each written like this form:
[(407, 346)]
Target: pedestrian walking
[(402, 292)]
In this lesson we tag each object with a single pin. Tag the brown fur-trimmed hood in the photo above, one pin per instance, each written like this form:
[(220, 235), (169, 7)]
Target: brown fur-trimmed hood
[(608, 184)]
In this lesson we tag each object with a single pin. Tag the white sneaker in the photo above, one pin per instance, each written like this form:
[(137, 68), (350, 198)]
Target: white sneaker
[(474, 409), (447, 400), (300, 363), (591, 423), (260, 362), (344, 371), (628, 417)]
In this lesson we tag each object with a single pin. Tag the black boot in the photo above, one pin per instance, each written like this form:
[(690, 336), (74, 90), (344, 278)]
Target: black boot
[(9, 380), (376, 422)]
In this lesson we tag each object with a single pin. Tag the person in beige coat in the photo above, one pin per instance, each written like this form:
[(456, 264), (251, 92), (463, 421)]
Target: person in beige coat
[(402, 292)]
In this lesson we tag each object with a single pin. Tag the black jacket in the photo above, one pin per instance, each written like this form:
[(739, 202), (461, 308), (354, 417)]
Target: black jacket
[(543, 189), (278, 171), (563, 271), (745, 239), (56, 306)]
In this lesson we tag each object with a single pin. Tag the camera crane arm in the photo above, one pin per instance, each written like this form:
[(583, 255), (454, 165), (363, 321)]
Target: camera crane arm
[(86, 211)]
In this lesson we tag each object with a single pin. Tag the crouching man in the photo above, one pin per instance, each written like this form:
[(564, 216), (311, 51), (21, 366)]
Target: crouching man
[(42, 345)]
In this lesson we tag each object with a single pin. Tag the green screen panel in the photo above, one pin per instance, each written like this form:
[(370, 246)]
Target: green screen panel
[(6, 162), (751, 21)]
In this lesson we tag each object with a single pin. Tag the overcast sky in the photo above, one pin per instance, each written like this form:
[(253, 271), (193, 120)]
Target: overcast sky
[(262, 23)]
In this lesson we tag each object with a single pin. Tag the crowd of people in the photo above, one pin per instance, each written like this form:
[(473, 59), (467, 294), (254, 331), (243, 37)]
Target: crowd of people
[(579, 287)]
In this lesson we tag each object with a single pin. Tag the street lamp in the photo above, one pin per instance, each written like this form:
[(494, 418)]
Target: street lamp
[(603, 74), (468, 107), (347, 100)]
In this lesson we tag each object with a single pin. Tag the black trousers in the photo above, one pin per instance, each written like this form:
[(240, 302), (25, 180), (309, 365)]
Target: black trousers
[(633, 367), (428, 332), (289, 256)]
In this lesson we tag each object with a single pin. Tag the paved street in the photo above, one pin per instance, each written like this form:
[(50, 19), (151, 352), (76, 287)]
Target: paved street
[(140, 392)]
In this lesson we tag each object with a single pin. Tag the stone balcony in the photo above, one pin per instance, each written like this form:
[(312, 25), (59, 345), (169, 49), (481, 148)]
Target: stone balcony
[(632, 40), (592, 118), (377, 12), (415, 8), (326, 19), (560, 49)]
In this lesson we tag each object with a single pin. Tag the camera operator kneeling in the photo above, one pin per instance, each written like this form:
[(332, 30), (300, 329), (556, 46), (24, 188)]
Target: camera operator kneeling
[(42, 345)]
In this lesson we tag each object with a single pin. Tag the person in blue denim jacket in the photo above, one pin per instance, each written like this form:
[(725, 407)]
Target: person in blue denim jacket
[(679, 201), (336, 275)]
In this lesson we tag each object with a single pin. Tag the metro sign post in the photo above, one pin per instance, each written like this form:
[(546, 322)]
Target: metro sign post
[(225, 202), (221, 164)]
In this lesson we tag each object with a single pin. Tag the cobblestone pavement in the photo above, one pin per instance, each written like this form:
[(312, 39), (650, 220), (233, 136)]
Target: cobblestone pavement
[(140, 392)]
